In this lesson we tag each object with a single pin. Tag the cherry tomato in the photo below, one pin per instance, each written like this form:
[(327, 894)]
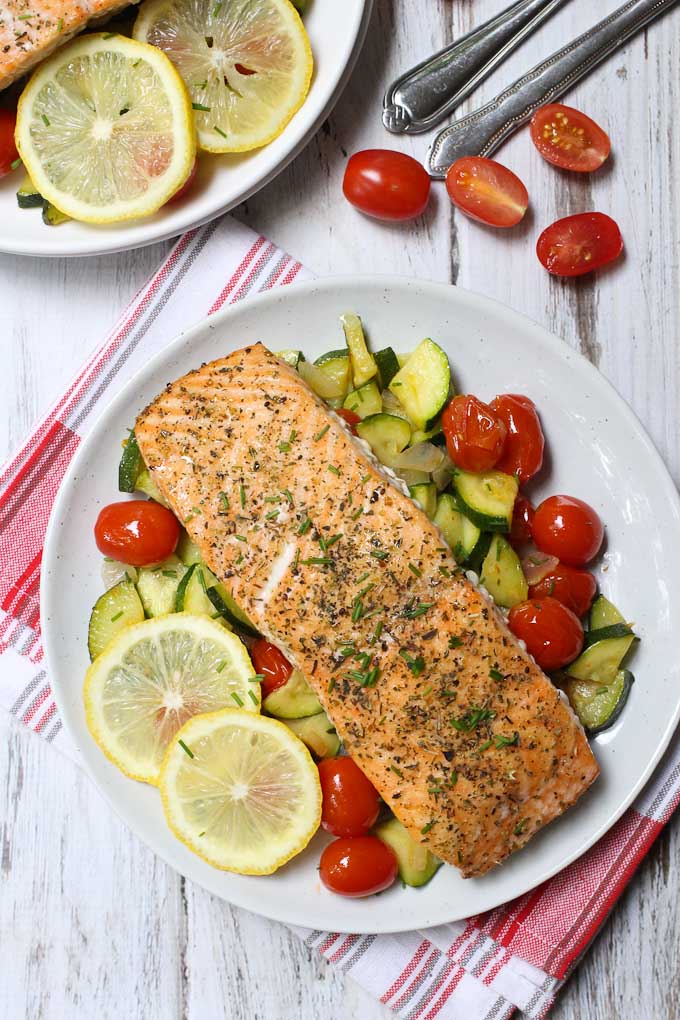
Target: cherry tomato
[(574, 588), (522, 519), (351, 417), (350, 801), (568, 528), (569, 139), (474, 434), (487, 191), (270, 663), (523, 451), (8, 149), (186, 187), (386, 184), (138, 532), (551, 632), (358, 867), (578, 244)]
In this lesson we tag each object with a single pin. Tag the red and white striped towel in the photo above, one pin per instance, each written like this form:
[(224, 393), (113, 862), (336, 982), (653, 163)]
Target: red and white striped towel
[(481, 969)]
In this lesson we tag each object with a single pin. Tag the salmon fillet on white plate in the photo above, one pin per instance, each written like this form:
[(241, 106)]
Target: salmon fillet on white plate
[(465, 738), (31, 29)]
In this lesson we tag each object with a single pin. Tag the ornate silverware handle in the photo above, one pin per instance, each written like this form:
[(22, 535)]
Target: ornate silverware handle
[(480, 133), (429, 92)]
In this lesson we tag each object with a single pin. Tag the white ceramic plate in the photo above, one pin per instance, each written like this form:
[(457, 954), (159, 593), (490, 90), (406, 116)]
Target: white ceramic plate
[(598, 450), (336, 32)]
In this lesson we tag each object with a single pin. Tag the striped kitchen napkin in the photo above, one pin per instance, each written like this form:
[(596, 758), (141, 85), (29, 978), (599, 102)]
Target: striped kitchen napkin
[(517, 956)]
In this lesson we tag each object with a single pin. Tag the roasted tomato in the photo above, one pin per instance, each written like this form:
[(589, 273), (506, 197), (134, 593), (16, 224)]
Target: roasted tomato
[(551, 632), (568, 528), (487, 191), (138, 532), (271, 664), (350, 801), (569, 139), (351, 417), (9, 157), (523, 450), (522, 519), (578, 244), (572, 587), (358, 866), (386, 184), (474, 434)]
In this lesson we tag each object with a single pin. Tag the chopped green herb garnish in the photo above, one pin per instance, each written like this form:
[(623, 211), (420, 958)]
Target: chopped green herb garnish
[(289, 496), (379, 554), (378, 629), (363, 577), (242, 494), (332, 540), (357, 611), (455, 642), (284, 447), (220, 666), (256, 678), (45, 120), (551, 589), (520, 827), (237, 698), (357, 514), (225, 500), (200, 84), (332, 468), (486, 745), (426, 828), (200, 107), (413, 612), (252, 697), (60, 26), (15, 163), (272, 515), (168, 573), (240, 538), (415, 664), (496, 674), (240, 559), (454, 778), (397, 771), (272, 499), (502, 741), (305, 526), (117, 616), (27, 17), (187, 750), (216, 9), (220, 131), (317, 561), (472, 719), (296, 560), (108, 35), (322, 433), (444, 570), (365, 479), (415, 570), (331, 684)]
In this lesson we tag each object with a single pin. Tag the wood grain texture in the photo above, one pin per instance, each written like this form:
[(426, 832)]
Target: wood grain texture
[(91, 924)]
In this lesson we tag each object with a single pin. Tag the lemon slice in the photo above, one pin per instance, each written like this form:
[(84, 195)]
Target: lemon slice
[(246, 63), (241, 791), (105, 129), (153, 677)]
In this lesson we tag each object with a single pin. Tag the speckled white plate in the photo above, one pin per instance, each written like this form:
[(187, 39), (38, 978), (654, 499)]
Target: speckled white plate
[(598, 450), (336, 32)]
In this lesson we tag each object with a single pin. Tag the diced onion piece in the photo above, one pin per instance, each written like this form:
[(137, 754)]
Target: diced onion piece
[(537, 565), (113, 572), (421, 457)]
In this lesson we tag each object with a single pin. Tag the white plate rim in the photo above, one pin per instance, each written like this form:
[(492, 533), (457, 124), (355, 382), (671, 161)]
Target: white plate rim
[(380, 282), (299, 130)]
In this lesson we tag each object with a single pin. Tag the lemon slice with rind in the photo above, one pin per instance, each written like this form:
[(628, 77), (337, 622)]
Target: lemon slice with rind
[(241, 791), (156, 675), (105, 129), (246, 63)]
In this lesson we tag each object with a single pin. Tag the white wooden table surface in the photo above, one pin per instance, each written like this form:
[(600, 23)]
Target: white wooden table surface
[(91, 924)]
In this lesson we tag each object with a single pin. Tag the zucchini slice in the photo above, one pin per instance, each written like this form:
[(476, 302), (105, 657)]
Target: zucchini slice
[(332, 356), (52, 216), (146, 484), (365, 401), (187, 550), (131, 465), (614, 630), (425, 495), (224, 603), (502, 574), (364, 366), (388, 366), (116, 609), (597, 705), (487, 498), (415, 862), (192, 594), (599, 662), (28, 196), (422, 385), (291, 357), (604, 614), (329, 381), (295, 700), (318, 733), (386, 434), (157, 586), (458, 530)]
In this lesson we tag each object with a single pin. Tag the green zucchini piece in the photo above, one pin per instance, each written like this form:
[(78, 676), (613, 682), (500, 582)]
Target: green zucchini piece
[(52, 216), (329, 381), (614, 630), (187, 550), (116, 609), (388, 365), (502, 574), (598, 706), (146, 484), (192, 594), (487, 498), (600, 662), (422, 385), (318, 733), (386, 434), (157, 586), (342, 352), (365, 401), (294, 700), (418, 436), (458, 530), (224, 603), (28, 196), (131, 465), (364, 366), (415, 862), (604, 614), (181, 590), (425, 495), (291, 357)]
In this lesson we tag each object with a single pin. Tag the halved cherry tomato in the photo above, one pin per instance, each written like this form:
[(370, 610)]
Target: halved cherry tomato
[(487, 191), (350, 801), (474, 434), (351, 417), (523, 451), (568, 528), (8, 149), (574, 588), (566, 137), (522, 519), (186, 187), (578, 244), (358, 867), (270, 663), (386, 184), (551, 632), (138, 532)]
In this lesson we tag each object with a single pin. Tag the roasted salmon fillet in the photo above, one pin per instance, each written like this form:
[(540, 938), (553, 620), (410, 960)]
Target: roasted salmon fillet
[(462, 734), (31, 29)]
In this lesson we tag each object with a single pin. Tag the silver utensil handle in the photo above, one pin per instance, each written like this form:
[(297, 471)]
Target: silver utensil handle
[(480, 133), (429, 92)]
